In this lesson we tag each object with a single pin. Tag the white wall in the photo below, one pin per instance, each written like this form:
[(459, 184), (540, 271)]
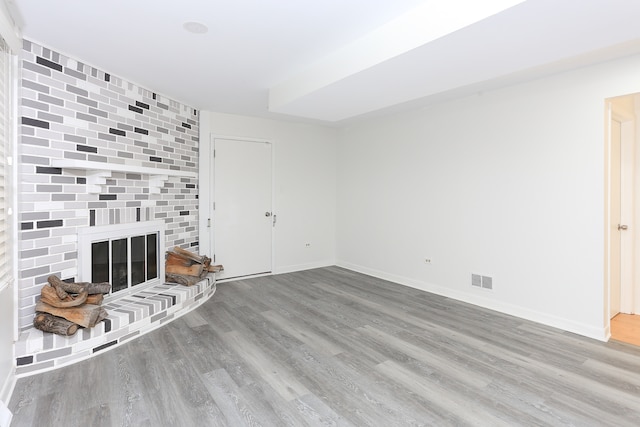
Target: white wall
[(7, 326), (304, 181), (508, 184)]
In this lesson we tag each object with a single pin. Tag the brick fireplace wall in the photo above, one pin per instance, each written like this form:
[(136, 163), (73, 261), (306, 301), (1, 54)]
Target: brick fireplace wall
[(70, 110)]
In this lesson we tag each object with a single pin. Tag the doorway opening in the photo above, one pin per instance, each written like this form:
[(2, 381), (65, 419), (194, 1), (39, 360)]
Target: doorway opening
[(622, 227)]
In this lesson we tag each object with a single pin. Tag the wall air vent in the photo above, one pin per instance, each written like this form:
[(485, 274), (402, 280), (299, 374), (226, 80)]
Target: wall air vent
[(476, 280), (487, 282), (479, 281)]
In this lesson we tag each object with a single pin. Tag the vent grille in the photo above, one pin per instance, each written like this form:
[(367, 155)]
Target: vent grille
[(476, 280), (487, 282), (480, 281)]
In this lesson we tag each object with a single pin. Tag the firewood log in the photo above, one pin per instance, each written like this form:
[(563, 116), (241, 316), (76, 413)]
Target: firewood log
[(194, 270), (188, 254), (95, 299), (182, 279), (84, 315), (185, 254), (76, 288), (49, 295), (48, 323), (215, 268), (102, 315), (61, 293), (175, 259)]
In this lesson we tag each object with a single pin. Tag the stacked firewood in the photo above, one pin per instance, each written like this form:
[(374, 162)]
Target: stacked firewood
[(188, 268), (63, 307)]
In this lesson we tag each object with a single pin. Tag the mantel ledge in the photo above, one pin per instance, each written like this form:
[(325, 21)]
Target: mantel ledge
[(98, 172), (115, 167)]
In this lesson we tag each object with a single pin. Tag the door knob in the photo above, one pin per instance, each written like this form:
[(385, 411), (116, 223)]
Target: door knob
[(269, 214), (622, 227)]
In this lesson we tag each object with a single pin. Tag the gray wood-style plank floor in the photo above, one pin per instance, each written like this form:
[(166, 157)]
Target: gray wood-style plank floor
[(333, 347)]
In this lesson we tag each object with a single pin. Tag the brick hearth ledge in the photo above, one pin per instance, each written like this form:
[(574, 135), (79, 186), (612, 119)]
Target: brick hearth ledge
[(129, 317)]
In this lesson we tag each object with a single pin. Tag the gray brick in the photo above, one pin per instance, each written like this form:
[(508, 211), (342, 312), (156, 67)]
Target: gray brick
[(34, 160), (86, 117), (94, 158), (75, 138), (42, 115), (56, 179), (35, 104), (125, 155), (54, 354), (74, 73), (32, 253), (96, 112), (30, 235), (106, 136), (32, 272), (47, 341), (35, 86), (77, 90), (48, 188), (33, 216), (75, 155), (50, 99), (87, 101), (63, 197)]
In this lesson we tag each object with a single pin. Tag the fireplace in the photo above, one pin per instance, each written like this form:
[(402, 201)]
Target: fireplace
[(126, 255), (136, 308)]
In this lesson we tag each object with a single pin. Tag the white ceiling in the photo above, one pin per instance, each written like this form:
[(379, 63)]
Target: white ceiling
[(290, 49)]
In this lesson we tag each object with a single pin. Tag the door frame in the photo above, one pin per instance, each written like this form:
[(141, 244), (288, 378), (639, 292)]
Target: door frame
[(627, 211), (627, 201), (212, 187)]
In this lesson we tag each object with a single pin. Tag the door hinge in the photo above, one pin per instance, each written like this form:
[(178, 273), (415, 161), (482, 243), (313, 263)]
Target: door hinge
[(209, 222), (214, 258), (214, 154)]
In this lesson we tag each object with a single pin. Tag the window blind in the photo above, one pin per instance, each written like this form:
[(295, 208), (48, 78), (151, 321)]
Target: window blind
[(5, 164)]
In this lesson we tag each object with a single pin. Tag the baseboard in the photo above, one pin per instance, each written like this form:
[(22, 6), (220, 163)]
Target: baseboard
[(600, 334), (302, 267), (7, 388)]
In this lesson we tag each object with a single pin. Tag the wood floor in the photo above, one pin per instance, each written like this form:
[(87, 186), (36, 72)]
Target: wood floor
[(626, 328), (332, 347)]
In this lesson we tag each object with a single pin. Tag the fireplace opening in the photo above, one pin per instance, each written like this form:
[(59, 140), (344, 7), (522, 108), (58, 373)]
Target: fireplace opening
[(125, 255)]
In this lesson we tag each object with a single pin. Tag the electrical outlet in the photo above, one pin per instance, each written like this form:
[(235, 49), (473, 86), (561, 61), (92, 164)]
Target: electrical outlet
[(307, 245), (427, 260)]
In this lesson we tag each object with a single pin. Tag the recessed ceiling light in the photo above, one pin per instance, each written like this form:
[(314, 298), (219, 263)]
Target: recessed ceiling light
[(195, 27)]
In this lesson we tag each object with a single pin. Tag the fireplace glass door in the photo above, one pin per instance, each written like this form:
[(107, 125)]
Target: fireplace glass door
[(125, 262)]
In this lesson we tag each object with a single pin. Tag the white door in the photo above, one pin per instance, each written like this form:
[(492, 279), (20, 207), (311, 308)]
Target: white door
[(243, 219), (615, 212)]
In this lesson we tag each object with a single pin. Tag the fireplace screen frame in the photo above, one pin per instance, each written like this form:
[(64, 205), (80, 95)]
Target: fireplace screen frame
[(87, 236)]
